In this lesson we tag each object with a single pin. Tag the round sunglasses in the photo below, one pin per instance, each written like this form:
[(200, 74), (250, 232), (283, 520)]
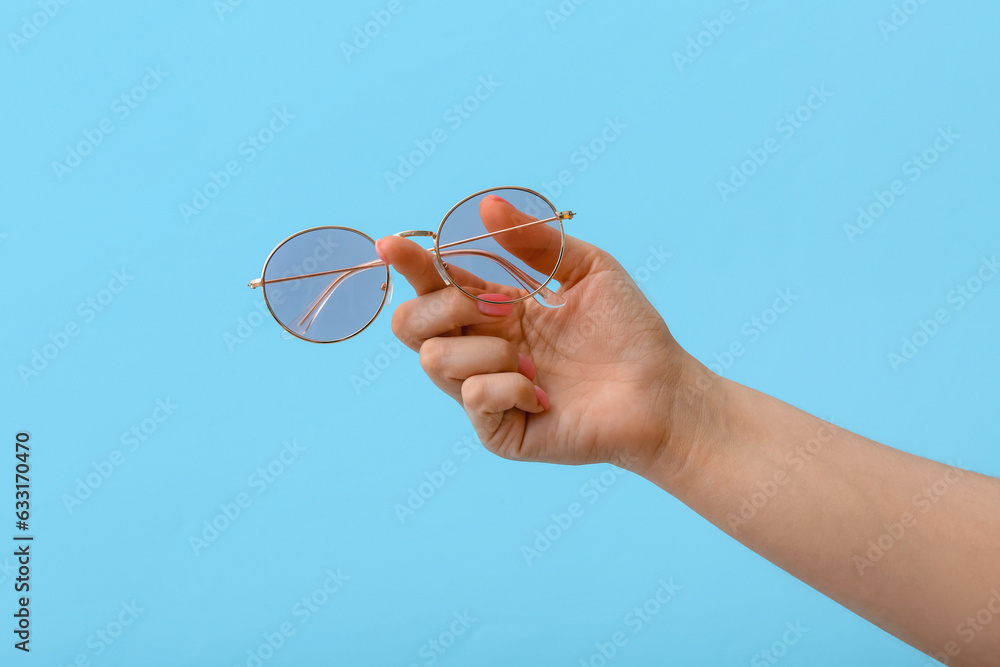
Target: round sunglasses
[(327, 284)]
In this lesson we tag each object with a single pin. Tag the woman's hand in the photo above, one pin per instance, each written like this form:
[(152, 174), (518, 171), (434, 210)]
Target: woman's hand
[(594, 381), (840, 512)]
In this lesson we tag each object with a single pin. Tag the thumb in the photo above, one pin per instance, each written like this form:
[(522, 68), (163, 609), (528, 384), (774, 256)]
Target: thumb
[(539, 245)]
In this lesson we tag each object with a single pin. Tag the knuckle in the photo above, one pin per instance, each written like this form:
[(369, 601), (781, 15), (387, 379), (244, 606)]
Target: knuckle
[(432, 355), (400, 320), (475, 393), (404, 327)]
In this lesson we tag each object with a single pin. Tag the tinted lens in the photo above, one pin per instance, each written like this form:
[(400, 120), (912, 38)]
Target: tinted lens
[(333, 306), (522, 258)]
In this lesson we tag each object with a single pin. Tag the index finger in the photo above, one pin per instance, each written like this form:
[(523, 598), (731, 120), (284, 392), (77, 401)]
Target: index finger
[(416, 265)]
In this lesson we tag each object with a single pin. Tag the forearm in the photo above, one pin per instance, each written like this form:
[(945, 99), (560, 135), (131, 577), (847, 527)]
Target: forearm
[(905, 542)]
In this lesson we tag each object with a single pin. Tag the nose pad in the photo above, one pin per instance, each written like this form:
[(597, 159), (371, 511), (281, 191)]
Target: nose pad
[(442, 268), (549, 298), (388, 290)]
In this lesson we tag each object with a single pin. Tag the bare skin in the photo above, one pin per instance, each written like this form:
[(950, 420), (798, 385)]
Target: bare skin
[(905, 542)]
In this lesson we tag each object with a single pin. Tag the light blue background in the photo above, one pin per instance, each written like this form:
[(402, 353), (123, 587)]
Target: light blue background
[(169, 333)]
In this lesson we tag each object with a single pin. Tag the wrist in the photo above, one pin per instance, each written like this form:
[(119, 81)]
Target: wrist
[(697, 414)]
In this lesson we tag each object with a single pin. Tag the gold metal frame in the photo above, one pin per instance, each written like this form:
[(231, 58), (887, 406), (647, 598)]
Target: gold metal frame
[(438, 251), (259, 282), (557, 216)]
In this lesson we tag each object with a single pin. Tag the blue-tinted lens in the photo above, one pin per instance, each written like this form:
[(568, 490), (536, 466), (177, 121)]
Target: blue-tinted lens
[(332, 306), (504, 257)]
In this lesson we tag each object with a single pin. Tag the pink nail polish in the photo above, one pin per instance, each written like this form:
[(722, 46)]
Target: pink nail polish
[(495, 309), (525, 366), (543, 398), (378, 251)]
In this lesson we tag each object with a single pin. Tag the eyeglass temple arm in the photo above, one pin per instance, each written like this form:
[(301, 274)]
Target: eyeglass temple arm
[(258, 282), (309, 315), (564, 215), (313, 310)]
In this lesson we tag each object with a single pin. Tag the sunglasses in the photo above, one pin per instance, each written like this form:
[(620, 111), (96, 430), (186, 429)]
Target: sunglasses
[(327, 284)]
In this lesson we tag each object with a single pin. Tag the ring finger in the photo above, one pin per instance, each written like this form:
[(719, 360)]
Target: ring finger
[(448, 362)]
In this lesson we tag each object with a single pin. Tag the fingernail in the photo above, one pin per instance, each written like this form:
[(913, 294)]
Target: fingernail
[(378, 251), (525, 366), (494, 197), (543, 398), (495, 309)]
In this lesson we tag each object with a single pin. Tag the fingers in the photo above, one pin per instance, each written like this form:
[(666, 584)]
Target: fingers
[(488, 377), (412, 261), (489, 398), (442, 313), (416, 264), (537, 245), (448, 362)]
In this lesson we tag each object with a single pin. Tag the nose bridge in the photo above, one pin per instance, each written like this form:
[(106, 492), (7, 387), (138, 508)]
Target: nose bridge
[(415, 232)]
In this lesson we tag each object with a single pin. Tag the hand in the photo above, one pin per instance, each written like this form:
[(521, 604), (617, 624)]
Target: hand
[(619, 389), (593, 381)]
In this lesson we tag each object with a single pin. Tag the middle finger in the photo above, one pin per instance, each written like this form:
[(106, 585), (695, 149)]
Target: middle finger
[(441, 313)]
